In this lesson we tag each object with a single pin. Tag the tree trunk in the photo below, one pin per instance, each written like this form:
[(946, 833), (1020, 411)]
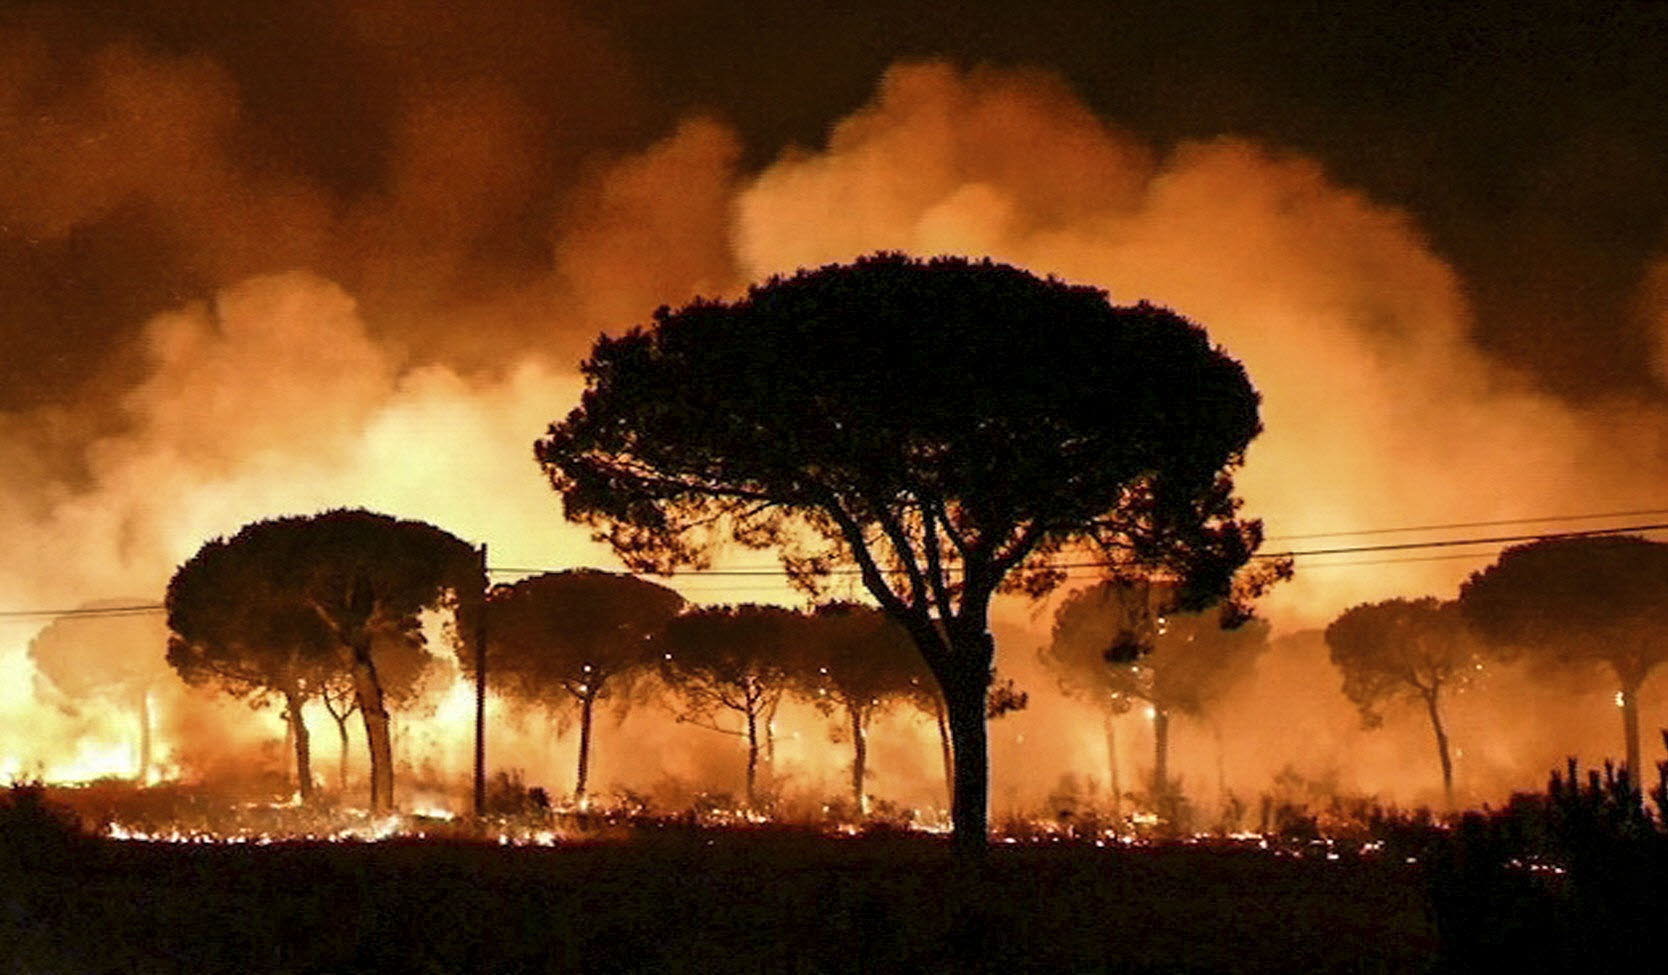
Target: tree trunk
[(1221, 766), (1161, 755), (944, 751), (1112, 767), (342, 765), (859, 759), (1630, 729), (752, 758), (770, 732), (1441, 749), (303, 746), (144, 734), (964, 699), (586, 703), (368, 691)]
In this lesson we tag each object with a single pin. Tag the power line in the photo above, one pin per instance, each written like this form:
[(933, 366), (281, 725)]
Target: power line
[(84, 611), (1446, 557), (141, 609), (1637, 513), (1446, 543), (1102, 564), (1450, 526)]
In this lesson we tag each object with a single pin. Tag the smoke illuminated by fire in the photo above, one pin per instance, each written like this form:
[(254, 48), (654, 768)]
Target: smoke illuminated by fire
[(371, 356)]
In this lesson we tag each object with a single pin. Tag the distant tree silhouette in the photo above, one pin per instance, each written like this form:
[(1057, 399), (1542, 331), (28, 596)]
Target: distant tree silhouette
[(1405, 648), (1580, 602), (341, 703), (946, 426), (582, 635), (115, 658), (1114, 644), (332, 585), (858, 662), (739, 659)]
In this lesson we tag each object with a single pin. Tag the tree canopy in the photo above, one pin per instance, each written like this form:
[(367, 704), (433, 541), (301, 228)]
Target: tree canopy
[(945, 426), (736, 659), (858, 661), (1113, 644), (1600, 600), (577, 637), (1405, 648), (1180, 662), (327, 585), (105, 654)]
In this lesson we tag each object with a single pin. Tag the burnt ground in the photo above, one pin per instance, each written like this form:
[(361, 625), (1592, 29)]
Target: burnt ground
[(706, 901)]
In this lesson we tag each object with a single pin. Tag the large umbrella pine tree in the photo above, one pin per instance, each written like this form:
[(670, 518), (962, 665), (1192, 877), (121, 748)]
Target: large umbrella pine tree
[(944, 427)]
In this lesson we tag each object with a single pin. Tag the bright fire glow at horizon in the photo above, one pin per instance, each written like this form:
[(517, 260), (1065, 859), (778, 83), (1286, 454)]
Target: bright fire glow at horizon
[(293, 390)]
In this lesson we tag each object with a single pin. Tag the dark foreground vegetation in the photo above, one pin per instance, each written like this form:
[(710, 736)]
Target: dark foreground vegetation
[(1572, 880), (704, 902)]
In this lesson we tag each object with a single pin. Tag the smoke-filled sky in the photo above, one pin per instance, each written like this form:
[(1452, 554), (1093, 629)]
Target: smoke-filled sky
[(270, 257)]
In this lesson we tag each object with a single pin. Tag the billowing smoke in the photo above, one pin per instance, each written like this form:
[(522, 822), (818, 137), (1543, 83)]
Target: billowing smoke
[(273, 335), (1378, 411)]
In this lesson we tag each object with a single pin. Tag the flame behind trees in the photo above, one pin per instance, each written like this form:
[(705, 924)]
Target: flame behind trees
[(312, 596), (1574, 602), (583, 634), (115, 657), (946, 427), (1405, 648), (1113, 645)]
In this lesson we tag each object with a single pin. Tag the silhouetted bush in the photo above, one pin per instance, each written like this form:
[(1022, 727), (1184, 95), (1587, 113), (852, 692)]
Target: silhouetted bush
[(36, 834), (1574, 879), (507, 794)]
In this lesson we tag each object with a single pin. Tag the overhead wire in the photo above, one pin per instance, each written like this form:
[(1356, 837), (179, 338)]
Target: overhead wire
[(1073, 567), (1453, 525)]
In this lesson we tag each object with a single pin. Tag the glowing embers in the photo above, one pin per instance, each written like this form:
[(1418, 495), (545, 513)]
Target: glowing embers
[(353, 826)]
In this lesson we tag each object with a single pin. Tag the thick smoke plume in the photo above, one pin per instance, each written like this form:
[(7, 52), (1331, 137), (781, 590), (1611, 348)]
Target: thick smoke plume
[(274, 335)]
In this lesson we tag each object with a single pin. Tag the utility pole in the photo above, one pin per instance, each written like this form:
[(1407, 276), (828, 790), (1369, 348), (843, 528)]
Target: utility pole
[(480, 689)]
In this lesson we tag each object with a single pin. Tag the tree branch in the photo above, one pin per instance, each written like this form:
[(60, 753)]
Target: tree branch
[(904, 549), (873, 578), (935, 565), (935, 505), (686, 719)]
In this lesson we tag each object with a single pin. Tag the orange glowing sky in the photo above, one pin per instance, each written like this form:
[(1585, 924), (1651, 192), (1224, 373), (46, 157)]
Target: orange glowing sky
[(348, 255)]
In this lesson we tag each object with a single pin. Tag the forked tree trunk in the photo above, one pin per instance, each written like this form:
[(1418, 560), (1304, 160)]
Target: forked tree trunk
[(586, 703), (1441, 748), (368, 692), (144, 734), (303, 746)]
